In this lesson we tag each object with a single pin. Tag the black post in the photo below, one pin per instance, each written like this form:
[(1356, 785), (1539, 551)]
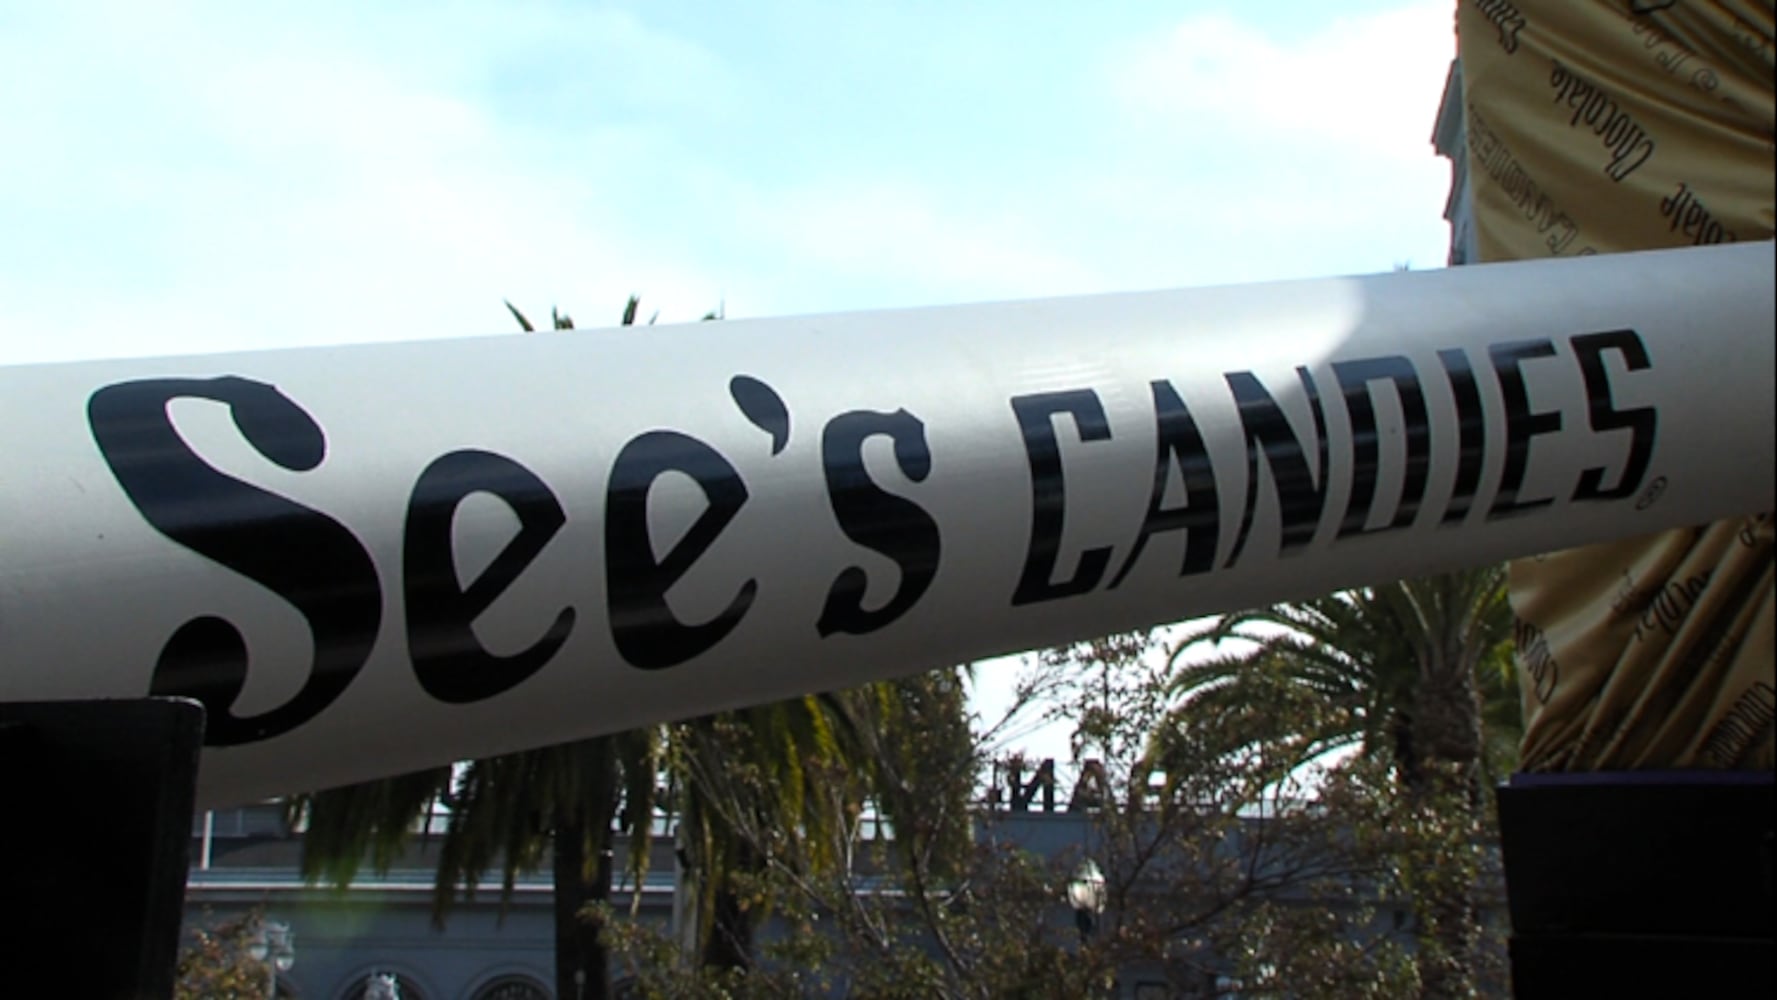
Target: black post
[(96, 840), (1639, 883), (1084, 922)]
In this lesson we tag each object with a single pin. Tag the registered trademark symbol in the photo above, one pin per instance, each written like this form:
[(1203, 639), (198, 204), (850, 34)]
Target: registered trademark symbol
[(1652, 494)]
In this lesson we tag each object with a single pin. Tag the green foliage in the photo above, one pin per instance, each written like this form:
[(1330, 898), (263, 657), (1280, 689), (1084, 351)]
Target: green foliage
[(504, 813), (1370, 657), (786, 790), (368, 822), (215, 963), (1416, 675), (993, 932), (1228, 862), (1111, 689)]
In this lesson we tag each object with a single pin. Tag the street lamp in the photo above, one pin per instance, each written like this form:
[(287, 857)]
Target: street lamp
[(275, 945), (1086, 894)]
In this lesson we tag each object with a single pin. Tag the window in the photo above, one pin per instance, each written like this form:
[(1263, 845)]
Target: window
[(385, 986), (512, 988)]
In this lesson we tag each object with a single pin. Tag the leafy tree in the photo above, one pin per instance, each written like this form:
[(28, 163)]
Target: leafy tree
[(1217, 868), (1409, 673), (787, 786), (901, 797), (216, 962)]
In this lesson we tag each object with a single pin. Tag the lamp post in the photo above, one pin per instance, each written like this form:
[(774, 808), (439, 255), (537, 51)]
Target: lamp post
[(1086, 894), (275, 945)]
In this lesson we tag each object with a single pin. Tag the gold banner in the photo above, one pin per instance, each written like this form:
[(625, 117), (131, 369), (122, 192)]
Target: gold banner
[(1600, 127)]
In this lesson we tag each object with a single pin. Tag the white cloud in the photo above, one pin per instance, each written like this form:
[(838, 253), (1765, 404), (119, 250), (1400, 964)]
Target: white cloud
[(1267, 156), (859, 230), (209, 177), (1223, 154), (1359, 83)]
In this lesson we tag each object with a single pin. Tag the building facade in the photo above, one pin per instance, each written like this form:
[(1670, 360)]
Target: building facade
[(352, 944)]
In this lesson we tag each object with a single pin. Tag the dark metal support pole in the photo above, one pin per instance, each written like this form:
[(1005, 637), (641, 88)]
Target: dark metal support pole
[(95, 836)]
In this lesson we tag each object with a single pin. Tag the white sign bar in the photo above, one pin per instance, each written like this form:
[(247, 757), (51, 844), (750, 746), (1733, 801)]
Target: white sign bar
[(370, 559)]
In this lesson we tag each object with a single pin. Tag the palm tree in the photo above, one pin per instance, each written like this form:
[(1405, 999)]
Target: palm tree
[(785, 786), (1417, 671), (564, 803), (745, 777), (1411, 669)]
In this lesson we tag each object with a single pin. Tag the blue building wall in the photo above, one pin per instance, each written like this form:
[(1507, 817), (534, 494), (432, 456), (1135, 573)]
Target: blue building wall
[(488, 948)]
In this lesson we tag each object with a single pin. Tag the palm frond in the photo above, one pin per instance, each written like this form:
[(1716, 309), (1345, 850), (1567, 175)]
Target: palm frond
[(1357, 657), (371, 822)]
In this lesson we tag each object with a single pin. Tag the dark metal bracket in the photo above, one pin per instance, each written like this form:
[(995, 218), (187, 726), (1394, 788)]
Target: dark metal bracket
[(95, 836)]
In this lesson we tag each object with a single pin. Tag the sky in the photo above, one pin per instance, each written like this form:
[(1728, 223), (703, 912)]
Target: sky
[(194, 177), (197, 177)]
